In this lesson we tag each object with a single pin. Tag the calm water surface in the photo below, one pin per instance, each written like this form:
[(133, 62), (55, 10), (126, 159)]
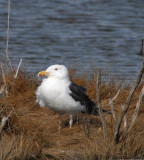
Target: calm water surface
[(46, 32)]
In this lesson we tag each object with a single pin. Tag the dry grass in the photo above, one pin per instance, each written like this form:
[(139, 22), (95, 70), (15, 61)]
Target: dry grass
[(32, 132)]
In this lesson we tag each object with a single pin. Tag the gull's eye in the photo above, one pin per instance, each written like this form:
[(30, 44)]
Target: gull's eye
[(56, 69)]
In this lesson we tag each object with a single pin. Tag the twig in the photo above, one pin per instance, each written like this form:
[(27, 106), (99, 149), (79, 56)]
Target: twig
[(138, 105), (2, 91), (4, 118), (4, 79), (118, 123), (125, 119), (141, 49), (15, 76), (87, 126), (99, 104), (7, 55), (111, 101)]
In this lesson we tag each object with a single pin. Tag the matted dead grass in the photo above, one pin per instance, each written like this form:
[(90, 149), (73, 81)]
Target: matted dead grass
[(32, 132)]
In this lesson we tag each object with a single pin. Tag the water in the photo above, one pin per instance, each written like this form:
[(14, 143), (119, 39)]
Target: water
[(46, 32)]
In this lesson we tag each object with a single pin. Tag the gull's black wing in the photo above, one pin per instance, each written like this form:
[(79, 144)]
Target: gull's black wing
[(78, 93)]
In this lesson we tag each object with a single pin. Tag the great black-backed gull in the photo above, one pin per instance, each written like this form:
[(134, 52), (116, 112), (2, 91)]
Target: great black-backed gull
[(62, 95)]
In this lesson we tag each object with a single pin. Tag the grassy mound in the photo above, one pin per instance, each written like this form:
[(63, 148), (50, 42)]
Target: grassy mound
[(32, 132)]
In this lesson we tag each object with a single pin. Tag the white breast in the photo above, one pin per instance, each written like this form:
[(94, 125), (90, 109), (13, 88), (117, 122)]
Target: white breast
[(54, 93)]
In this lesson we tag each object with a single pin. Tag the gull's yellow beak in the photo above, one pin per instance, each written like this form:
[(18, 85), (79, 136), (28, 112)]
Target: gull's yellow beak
[(43, 73)]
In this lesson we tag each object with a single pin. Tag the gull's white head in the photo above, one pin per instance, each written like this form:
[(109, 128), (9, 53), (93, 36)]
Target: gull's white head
[(55, 71)]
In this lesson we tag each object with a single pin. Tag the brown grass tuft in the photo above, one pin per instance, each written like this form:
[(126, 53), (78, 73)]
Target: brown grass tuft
[(32, 132)]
